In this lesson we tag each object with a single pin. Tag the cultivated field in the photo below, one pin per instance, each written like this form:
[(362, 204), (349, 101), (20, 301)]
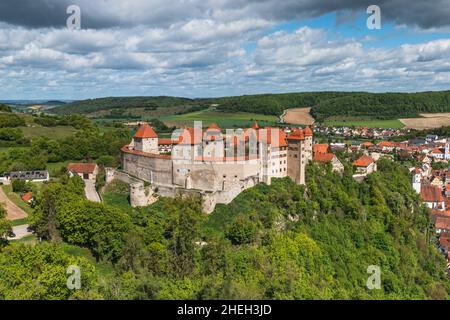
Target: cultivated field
[(392, 124), (224, 120), (428, 121), (298, 116)]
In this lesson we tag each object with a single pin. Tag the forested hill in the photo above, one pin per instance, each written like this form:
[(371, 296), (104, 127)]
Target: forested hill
[(354, 104), (282, 241), (93, 105), (324, 104)]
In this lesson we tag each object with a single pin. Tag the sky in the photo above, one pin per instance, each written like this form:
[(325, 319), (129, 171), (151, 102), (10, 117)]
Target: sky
[(210, 48)]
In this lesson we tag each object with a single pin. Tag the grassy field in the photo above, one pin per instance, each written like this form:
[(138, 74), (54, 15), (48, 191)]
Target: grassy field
[(19, 222), (49, 132), (116, 194), (30, 239), (103, 267), (395, 124), (55, 168), (224, 120), (16, 199), (116, 200)]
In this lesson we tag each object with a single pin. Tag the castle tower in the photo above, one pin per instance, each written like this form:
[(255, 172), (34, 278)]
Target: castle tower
[(297, 154), (447, 151), (417, 180), (213, 142), (308, 143), (140, 196), (145, 139)]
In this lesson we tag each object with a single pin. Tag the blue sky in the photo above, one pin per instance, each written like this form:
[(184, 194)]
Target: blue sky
[(216, 48)]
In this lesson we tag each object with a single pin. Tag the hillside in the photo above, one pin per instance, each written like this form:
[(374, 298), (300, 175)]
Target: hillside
[(325, 105), (272, 242), (149, 103)]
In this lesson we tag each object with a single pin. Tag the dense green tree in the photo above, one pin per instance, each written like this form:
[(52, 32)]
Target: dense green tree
[(38, 272), (5, 226)]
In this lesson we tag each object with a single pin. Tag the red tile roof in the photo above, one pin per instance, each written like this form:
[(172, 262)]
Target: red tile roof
[(145, 132), (367, 144), (168, 141), (323, 157), (191, 136), (444, 240), (27, 196), (296, 135), (81, 167), (364, 161), (431, 193), (273, 136), (442, 223), (213, 126), (385, 144), (320, 148), (308, 132), (436, 150)]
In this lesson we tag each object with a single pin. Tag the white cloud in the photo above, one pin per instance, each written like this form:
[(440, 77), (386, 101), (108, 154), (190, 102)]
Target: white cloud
[(207, 57)]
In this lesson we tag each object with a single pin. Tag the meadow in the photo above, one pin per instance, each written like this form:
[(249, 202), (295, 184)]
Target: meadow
[(224, 120), (394, 124), (49, 132)]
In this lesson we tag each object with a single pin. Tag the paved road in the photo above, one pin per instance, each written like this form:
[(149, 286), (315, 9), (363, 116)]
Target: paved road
[(14, 212), (90, 191), (20, 232)]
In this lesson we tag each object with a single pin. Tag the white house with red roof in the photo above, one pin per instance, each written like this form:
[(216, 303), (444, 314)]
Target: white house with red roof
[(86, 171), (365, 165), (432, 196)]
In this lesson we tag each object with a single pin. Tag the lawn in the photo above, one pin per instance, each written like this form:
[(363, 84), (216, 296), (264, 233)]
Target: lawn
[(54, 169), (395, 124), (224, 120), (117, 200), (16, 199), (30, 239), (49, 132), (19, 222), (103, 267), (116, 194)]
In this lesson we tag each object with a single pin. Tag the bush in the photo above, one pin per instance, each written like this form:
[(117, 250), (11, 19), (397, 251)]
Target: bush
[(20, 186), (107, 161), (5, 108), (9, 120), (241, 231)]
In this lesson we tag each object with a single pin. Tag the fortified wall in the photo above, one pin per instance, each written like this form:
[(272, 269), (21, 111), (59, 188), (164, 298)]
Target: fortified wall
[(146, 159)]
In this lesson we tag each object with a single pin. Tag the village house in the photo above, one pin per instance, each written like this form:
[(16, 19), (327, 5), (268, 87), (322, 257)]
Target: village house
[(28, 197), (365, 165), (442, 225), (432, 196), (336, 165), (86, 171)]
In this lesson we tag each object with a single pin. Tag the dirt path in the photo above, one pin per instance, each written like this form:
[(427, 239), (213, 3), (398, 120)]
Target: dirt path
[(14, 212), (298, 116), (20, 232)]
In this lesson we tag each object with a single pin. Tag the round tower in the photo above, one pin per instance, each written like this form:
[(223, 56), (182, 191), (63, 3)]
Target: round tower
[(138, 198)]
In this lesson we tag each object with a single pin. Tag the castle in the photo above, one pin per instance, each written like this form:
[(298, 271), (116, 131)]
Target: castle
[(209, 163)]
